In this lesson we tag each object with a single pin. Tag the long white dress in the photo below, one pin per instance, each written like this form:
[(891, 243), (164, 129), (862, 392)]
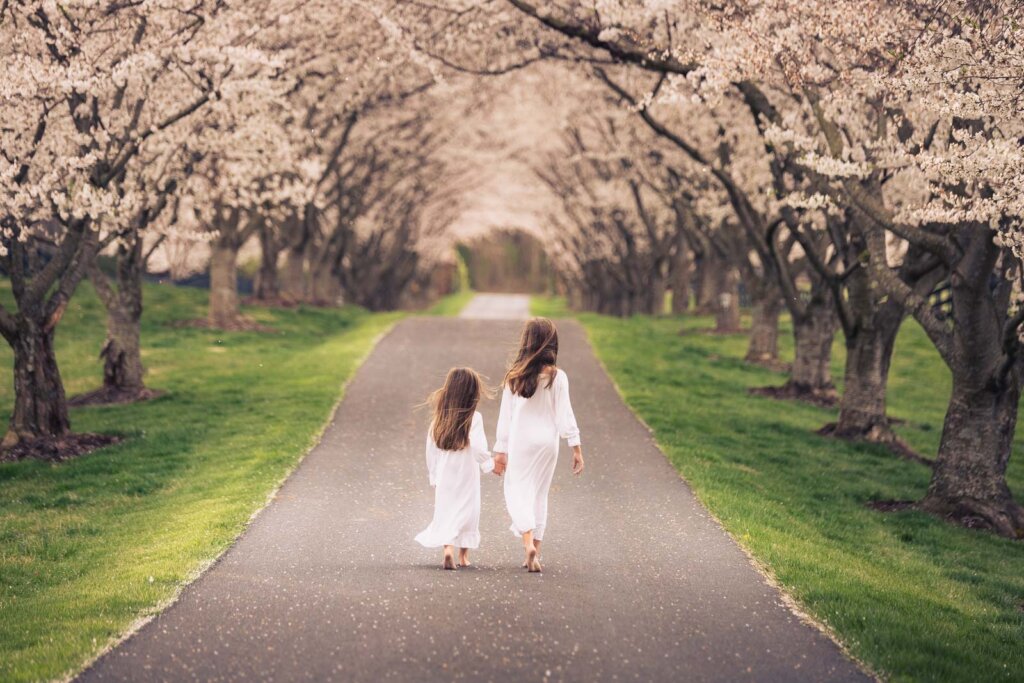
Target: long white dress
[(455, 476), (528, 430)]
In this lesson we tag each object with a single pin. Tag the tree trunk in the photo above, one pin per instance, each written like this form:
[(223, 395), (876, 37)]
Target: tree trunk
[(680, 281), (811, 376), (267, 283), (655, 299), (326, 288), (40, 406), (862, 413), (812, 356), (727, 300), (122, 357), (224, 310), (763, 348), (705, 291), (969, 480), (293, 275)]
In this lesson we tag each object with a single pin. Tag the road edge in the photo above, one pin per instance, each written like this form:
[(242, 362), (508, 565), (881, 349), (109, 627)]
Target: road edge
[(792, 604), (206, 565)]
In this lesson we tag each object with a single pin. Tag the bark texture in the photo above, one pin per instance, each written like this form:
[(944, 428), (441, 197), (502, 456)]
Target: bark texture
[(40, 406), (811, 375), (763, 348), (727, 300), (969, 479), (680, 275), (267, 284), (41, 295), (983, 352), (224, 307), (121, 353), (293, 275)]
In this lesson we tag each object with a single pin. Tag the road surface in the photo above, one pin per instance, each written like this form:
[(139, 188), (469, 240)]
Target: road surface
[(639, 582)]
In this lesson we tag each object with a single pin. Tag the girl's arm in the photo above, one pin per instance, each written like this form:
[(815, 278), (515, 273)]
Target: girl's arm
[(564, 416), (504, 424), (431, 452), (478, 444), (566, 421)]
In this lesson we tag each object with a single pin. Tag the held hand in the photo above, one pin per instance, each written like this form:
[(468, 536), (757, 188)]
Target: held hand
[(500, 463), (577, 461)]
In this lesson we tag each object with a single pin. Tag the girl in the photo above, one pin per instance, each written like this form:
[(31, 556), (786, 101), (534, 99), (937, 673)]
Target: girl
[(535, 412), (456, 454)]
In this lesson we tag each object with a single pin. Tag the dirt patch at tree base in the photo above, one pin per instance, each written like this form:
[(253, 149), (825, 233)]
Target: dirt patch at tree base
[(58, 450), (713, 331), (793, 392), (891, 505), (970, 516), (880, 435), (106, 396), (276, 302), (241, 324), (769, 364)]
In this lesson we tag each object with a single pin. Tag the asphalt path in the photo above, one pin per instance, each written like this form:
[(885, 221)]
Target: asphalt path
[(497, 307), (639, 582)]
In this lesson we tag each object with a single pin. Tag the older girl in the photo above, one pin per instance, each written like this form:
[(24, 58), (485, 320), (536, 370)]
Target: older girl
[(535, 412), (456, 454)]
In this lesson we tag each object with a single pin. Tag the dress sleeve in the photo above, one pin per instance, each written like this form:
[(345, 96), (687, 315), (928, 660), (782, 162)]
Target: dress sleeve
[(504, 422), (564, 416), (431, 459), (478, 444)]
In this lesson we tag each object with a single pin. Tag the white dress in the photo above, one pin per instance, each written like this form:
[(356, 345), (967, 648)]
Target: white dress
[(528, 430), (455, 476)]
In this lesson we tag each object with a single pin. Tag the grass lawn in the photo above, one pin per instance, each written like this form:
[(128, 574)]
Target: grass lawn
[(452, 304), (913, 597), (89, 546)]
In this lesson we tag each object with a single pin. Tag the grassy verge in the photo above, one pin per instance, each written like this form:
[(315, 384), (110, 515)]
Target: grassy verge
[(913, 597), (89, 546), (452, 304)]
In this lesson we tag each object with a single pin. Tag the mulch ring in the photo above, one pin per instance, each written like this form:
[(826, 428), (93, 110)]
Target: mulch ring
[(791, 392), (58, 450), (686, 331), (240, 324), (107, 396), (278, 302), (891, 505)]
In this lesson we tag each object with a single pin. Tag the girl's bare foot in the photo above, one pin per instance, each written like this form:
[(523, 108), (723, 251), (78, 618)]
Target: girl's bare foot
[(532, 562), (464, 557), (449, 558)]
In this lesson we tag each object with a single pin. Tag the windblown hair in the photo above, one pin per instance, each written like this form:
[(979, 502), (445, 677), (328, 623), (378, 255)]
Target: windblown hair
[(453, 407), (538, 349)]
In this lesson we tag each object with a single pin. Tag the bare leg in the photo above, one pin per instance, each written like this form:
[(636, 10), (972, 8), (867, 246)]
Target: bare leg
[(536, 544), (449, 557), (531, 552), (463, 557)]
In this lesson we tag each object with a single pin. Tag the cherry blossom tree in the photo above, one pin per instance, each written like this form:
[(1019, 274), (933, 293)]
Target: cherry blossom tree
[(88, 88), (922, 97)]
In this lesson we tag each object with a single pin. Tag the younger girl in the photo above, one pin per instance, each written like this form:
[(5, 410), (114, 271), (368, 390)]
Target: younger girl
[(535, 412), (456, 454)]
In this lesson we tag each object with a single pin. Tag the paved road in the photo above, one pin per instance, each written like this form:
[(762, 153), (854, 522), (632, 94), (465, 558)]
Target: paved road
[(497, 307), (327, 584)]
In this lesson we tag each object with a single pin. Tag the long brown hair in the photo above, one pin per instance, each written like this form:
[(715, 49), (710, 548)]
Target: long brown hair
[(538, 349), (453, 407)]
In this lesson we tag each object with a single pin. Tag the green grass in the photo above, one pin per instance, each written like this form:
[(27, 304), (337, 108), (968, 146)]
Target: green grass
[(452, 304), (88, 546), (913, 597)]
